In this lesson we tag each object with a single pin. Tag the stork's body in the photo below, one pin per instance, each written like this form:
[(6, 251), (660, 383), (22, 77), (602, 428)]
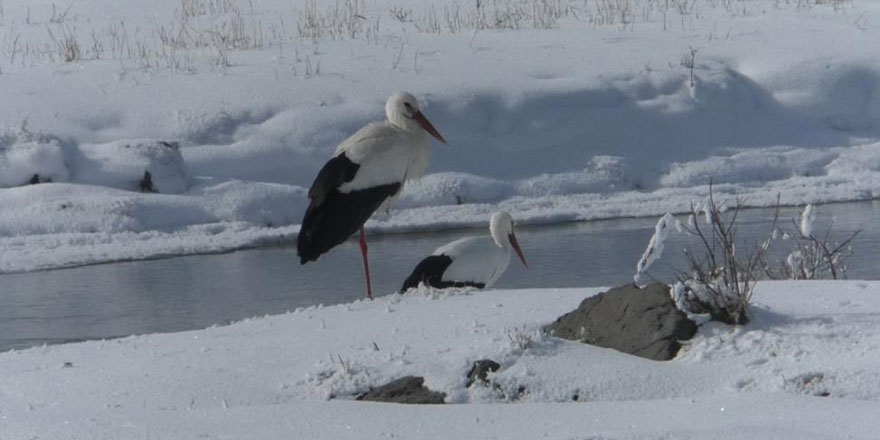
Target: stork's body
[(470, 261), (365, 173)]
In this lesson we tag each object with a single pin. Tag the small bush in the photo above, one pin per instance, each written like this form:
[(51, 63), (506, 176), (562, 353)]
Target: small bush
[(721, 272), (719, 279), (814, 256), (66, 43)]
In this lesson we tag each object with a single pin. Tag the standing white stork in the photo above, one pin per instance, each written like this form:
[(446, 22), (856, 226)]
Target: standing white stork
[(470, 261), (366, 172)]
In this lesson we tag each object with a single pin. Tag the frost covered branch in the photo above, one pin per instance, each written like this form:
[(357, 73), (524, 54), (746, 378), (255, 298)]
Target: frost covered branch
[(814, 257), (655, 247), (719, 280)]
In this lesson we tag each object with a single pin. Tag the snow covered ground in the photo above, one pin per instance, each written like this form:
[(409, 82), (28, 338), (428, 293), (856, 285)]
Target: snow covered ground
[(807, 367), (556, 110)]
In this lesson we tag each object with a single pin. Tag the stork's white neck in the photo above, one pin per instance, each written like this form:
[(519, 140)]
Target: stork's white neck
[(401, 122)]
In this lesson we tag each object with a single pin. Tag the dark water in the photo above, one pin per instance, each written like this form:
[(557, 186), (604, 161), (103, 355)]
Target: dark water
[(193, 292)]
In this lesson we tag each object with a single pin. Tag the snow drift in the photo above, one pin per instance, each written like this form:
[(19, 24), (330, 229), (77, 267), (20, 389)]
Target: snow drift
[(575, 118)]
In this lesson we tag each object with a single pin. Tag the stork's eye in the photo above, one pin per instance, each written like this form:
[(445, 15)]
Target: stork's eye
[(409, 108)]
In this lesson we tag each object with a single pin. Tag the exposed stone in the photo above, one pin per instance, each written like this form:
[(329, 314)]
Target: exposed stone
[(146, 183), (480, 370), (643, 322), (409, 389)]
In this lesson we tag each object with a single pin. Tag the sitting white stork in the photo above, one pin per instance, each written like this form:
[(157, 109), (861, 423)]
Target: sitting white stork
[(470, 261), (366, 172)]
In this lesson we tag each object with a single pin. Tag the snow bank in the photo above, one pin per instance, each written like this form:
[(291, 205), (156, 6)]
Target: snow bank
[(750, 166), (603, 174), (30, 158), (123, 164), (800, 365)]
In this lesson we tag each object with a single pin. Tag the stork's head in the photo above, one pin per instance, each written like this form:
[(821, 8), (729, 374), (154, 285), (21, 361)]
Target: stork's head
[(501, 227), (402, 110)]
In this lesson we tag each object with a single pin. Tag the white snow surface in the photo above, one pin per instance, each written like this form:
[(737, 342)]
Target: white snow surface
[(806, 367), (24, 155), (554, 111)]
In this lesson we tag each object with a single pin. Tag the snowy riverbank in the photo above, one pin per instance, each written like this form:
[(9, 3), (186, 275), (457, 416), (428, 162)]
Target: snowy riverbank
[(806, 367)]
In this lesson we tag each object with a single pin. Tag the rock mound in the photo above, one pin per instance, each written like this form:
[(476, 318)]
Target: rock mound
[(408, 389), (643, 322)]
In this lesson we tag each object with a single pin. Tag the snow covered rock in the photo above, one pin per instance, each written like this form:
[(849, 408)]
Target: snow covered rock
[(480, 371), (27, 157), (409, 389), (125, 164), (643, 322)]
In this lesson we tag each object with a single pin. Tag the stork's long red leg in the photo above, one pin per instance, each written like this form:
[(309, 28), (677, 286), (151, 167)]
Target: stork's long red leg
[(366, 263)]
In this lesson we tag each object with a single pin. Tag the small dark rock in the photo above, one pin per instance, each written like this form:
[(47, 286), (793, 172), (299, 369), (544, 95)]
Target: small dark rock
[(643, 322), (35, 179), (480, 370), (172, 145), (407, 389), (146, 183)]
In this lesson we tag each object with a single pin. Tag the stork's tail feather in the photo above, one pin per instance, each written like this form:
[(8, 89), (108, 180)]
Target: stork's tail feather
[(311, 242)]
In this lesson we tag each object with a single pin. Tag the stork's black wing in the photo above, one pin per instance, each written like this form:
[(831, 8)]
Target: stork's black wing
[(430, 271), (332, 215)]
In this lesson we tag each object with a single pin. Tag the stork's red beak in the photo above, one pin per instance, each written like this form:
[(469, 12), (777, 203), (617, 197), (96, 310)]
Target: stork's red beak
[(426, 124), (516, 248)]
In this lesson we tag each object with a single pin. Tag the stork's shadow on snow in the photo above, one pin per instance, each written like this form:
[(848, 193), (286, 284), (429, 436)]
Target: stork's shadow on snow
[(652, 119)]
